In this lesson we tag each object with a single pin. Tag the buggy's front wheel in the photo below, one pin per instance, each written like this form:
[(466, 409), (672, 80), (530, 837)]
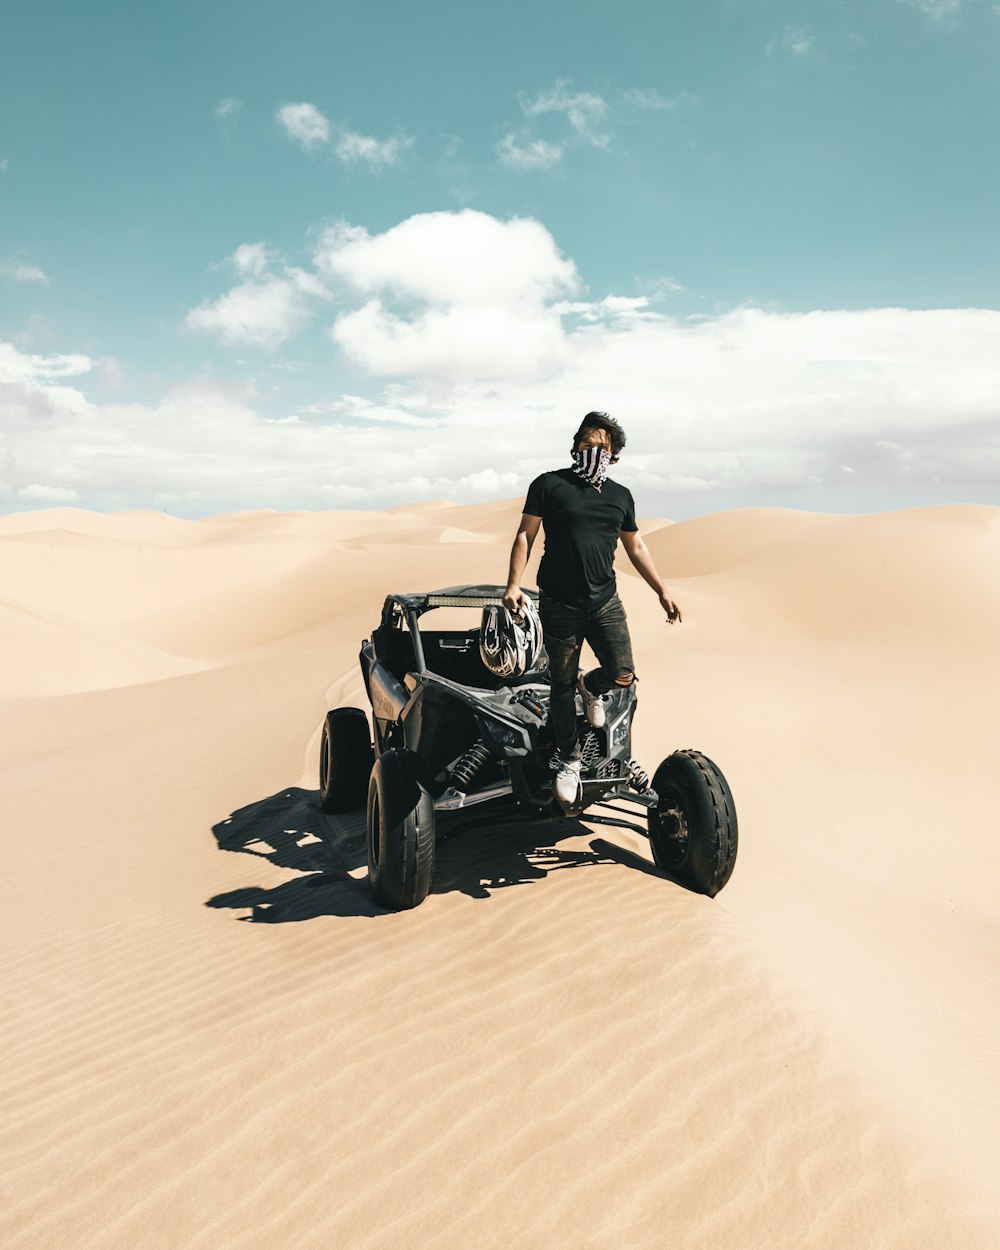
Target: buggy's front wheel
[(693, 829), (400, 834)]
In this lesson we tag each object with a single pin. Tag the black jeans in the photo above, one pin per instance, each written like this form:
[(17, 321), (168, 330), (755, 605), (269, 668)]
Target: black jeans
[(565, 630)]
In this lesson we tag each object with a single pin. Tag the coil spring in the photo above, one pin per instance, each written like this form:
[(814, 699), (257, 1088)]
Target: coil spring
[(465, 771), (638, 776)]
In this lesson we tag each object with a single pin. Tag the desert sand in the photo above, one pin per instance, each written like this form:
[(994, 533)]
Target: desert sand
[(212, 1039)]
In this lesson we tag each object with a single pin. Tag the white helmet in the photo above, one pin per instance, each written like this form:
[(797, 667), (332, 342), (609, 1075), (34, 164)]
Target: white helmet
[(510, 643)]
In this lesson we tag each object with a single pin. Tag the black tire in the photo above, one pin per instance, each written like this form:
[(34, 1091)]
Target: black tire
[(399, 834), (693, 830), (345, 760)]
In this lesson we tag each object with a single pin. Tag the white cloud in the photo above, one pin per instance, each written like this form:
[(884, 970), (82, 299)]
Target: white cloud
[(660, 288), (228, 106), (111, 372), (47, 496), (20, 271), (470, 341), (650, 98), (305, 124), (31, 392), (308, 283), (483, 287), (259, 313), (584, 110), (39, 328), (264, 310), (4, 165), (795, 40), (16, 366), (378, 153), (799, 43), (608, 309), (530, 154), (936, 9), (465, 257), (30, 273), (202, 448), (310, 129), (357, 408), (251, 260), (586, 114)]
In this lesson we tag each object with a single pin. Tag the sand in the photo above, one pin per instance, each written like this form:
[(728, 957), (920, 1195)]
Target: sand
[(212, 1039)]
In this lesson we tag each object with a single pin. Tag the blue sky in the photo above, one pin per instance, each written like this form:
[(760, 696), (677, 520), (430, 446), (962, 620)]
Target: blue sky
[(329, 255)]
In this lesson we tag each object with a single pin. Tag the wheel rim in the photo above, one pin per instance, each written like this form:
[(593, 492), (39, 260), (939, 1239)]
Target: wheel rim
[(375, 834), (673, 828), (324, 762)]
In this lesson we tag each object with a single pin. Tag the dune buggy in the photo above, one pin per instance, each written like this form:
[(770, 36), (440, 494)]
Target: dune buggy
[(457, 747)]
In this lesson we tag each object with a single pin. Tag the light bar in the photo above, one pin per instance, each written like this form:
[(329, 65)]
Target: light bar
[(462, 601)]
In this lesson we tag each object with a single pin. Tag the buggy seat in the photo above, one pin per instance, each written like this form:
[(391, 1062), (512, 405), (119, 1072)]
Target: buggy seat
[(452, 654)]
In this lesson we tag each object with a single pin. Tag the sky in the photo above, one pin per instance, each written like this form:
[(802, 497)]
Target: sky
[(321, 255)]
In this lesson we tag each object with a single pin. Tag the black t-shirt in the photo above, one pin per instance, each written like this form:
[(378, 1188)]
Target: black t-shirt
[(582, 525)]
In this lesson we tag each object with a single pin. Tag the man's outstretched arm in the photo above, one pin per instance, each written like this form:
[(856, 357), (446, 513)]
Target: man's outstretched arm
[(641, 559), (523, 542)]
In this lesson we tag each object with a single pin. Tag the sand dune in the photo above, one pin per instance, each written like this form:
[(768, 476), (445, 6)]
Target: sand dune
[(895, 579), (213, 1039), (51, 654)]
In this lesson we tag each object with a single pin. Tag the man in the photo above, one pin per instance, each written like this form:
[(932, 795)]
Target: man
[(584, 513)]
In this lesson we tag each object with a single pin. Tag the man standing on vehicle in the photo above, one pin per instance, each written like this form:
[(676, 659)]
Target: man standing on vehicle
[(584, 513)]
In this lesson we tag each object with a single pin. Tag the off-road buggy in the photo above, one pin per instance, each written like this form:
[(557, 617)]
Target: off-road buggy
[(455, 747)]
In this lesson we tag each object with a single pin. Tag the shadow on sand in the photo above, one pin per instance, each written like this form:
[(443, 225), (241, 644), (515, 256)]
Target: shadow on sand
[(290, 830)]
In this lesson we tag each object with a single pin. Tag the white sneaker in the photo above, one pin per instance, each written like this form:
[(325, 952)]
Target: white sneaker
[(567, 780), (593, 704)]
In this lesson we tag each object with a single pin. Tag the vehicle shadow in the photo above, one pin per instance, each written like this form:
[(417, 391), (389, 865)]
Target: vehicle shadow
[(290, 830), (517, 852)]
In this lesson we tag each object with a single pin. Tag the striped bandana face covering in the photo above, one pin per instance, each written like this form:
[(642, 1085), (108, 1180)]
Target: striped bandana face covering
[(591, 463)]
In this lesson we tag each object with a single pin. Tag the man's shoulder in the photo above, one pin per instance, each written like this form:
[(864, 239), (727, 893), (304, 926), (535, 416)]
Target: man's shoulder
[(549, 479), (617, 486)]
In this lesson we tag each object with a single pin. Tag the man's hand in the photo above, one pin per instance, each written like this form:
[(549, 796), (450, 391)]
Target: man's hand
[(672, 610), (638, 553), (514, 598)]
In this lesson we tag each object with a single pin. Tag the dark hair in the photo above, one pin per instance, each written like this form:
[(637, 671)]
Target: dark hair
[(602, 421)]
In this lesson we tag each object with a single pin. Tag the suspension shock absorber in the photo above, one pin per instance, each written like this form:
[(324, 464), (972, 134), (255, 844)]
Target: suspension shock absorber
[(637, 776), (469, 766)]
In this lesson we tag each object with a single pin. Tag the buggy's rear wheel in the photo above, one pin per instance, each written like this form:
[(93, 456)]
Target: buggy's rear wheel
[(345, 760), (693, 829), (400, 834)]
